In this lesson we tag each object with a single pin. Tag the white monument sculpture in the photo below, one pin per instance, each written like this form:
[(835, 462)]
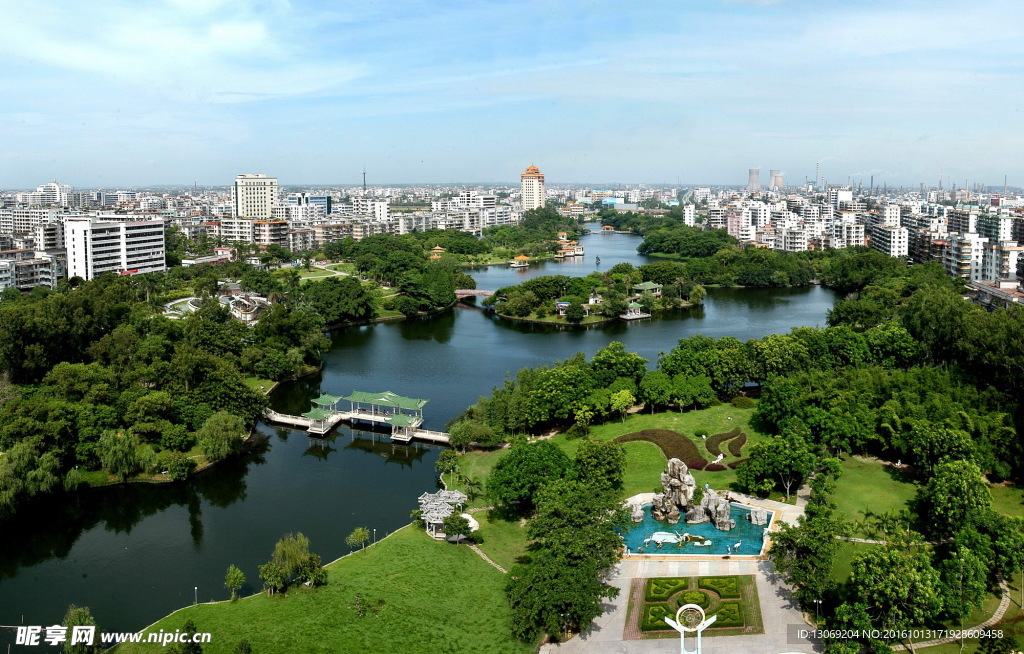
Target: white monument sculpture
[(690, 617)]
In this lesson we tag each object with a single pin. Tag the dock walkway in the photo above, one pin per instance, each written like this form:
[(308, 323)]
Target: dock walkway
[(320, 428)]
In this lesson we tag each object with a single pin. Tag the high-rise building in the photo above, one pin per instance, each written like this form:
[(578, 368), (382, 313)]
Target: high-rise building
[(127, 247), (254, 196), (532, 188)]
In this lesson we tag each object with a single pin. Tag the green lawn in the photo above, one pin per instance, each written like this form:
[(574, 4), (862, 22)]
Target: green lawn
[(869, 488), (1008, 499), (343, 267), (847, 551), (504, 540), (258, 384), (438, 597)]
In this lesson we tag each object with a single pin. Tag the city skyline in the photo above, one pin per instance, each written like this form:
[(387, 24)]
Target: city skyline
[(120, 95)]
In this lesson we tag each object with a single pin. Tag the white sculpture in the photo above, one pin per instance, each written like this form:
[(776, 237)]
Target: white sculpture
[(690, 618)]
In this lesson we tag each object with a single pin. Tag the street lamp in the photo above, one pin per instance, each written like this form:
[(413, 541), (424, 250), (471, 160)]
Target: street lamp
[(374, 535), (817, 603), (197, 595)]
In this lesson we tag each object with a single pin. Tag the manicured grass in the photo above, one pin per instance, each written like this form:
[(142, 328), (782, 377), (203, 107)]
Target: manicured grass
[(847, 551), (438, 597), (258, 384), (343, 267), (869, 488), (1008, 499), (504, 540)]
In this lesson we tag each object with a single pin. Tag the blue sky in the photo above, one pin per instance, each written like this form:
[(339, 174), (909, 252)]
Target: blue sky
[(120, 93)]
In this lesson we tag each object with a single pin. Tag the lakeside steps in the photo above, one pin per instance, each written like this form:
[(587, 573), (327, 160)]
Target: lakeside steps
[(403, 414)]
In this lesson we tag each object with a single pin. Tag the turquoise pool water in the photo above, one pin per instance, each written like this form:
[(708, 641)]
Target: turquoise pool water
[(748, 535)]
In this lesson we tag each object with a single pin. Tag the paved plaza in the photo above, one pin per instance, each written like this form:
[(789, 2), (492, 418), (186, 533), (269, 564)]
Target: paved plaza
[(779, 610)]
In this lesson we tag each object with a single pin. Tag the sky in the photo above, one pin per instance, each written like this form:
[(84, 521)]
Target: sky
[(121, 93)]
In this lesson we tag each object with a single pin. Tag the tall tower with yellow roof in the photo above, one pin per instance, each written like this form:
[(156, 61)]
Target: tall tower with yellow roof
[(532, 188)]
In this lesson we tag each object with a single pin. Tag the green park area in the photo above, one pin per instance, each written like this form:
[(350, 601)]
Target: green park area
[(418, 596), (645, 459), (731, 599)]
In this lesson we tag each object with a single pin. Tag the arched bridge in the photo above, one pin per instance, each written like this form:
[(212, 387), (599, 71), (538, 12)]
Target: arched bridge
[(467, 292)]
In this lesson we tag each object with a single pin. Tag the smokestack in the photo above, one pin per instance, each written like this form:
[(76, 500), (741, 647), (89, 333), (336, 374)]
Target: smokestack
[(754, 181), (776, 180)]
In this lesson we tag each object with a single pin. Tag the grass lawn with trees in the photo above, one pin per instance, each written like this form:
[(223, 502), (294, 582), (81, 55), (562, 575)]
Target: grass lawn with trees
[(504, 540), (644, 461), (869, 488), (437, 597)]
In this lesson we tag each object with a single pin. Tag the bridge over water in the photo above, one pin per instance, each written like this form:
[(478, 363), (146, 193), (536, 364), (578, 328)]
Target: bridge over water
[(467, 292)]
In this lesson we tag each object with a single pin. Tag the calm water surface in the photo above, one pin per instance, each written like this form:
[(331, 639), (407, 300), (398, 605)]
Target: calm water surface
[(134, 554)]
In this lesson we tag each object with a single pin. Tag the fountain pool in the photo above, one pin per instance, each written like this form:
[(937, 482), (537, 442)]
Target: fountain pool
[(749, 536)]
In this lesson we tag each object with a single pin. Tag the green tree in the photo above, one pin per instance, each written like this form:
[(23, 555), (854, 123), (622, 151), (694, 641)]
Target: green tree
[(784, 461), (221, 435), (575, 313), (956, 497), (290, 551), (79, 616), (458, 526), (179, 466), (311, 571), (447, 463), (613, 361), (516, 478), (898, 587), (621, 401), (273, 577), (358, 537), (600, 464), (962, 586), (692, 391), (805, 553), (119, 452), (697, 294), (233, 580), (656, 389)]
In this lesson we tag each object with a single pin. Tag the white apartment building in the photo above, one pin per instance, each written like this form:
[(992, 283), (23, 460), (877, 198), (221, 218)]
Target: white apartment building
[(701, 194), (376, 209), (46, 194), (689, 215), (890, 215), (999, 260), (890, 240), (531, 185), (127, 247), (794, 239), (254, 196), (234, 229), (964, 256), (23, 220)]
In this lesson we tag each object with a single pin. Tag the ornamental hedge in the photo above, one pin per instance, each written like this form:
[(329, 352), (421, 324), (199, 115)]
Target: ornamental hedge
[(673, 445), (661, 588), (728, 587), (714, 443), (736, 444)]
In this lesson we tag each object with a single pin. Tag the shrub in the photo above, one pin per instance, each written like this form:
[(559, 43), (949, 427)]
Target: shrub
[(728, 587), (576, 431), (661, 588), (654, 617), (714, 443), (729, 615), (737, 464), (672, 444), (700, 598), (736, 444), (714, 467), (742, 402)]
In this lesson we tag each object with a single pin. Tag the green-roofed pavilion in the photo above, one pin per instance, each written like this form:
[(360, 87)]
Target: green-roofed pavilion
[(327, 400), (402, 420), (317, 414), (387, 399)]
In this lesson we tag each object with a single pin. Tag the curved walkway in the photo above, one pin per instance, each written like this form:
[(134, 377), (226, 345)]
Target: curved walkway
[(1004, 604)]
